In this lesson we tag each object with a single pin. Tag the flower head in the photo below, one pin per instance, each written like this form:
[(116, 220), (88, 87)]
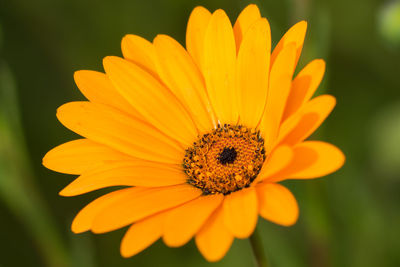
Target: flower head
[(200, 137)]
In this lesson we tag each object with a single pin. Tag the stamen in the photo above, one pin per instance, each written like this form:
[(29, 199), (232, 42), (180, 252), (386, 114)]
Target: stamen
[(225, 160)]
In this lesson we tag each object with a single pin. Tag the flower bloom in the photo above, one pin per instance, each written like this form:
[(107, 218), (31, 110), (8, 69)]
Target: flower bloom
[(199, 137)]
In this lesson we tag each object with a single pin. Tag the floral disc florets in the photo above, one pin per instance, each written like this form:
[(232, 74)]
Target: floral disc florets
[(225, 160)]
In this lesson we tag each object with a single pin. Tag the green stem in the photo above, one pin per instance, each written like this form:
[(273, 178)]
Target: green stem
[(258, 249)]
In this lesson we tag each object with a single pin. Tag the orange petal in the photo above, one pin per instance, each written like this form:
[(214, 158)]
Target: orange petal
[(84, 219), (311, 159), (219, 67), (277, 204), (151, 99), (126, 173), (183, 222), (253, 71), (124, 133), (135, 207), (184, 79), (142, 234), (78, 156), (295, 35), (240, 212), (214, 240), (247, 17), (139, 51), (279, 86), (195, 33), (280, 158), (97, 88), (302, 124), (304, 86)]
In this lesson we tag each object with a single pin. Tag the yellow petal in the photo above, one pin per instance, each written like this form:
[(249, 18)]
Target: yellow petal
[(142, 234), (124, 133), (97, 88), (195, 33), (240, 212), (311, 159), (183, 222), (139, 51), (252, 72), (151, 99), (78, 156), (279, 86), (302, 124), (126, 173), (295, 35), (135, 207), (280, 158), (219, 67), (184, 79), (247, 17), (214, 240), (304, 86), (84, 219), (277, 204)]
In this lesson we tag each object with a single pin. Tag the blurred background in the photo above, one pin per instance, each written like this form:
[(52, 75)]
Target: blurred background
[(350, 218)]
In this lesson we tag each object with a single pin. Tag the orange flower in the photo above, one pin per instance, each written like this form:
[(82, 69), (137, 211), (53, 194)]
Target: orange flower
[(200, 136)]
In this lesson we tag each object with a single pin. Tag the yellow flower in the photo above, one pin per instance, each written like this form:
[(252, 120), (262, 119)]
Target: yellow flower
[(199, 136)]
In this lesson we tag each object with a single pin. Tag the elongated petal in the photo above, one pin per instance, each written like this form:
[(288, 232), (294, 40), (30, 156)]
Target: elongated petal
[(219, 67), (139, 51), (279, 86), (311, 159), (78, 156), (126, 173), (195, 33), (151, 99), (302, 124), (142, 234), (135, 207), (277, 204), (214, 240), (83, 221), (246, 18), (280, 158), (183, 222), (295, 35), (304, 86), (240, 212), (184, 79), (124, 133), (253, 72), (97, 88)]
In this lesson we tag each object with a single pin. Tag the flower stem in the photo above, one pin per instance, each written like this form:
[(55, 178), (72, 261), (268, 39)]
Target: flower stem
[(258, 249)]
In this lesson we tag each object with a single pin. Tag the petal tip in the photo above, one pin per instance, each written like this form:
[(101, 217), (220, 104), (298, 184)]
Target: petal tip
[(170, 242), (45, 160), (331, 100), (220, 13), (65, 192), (200, 9), (160, 38), (78, 74), (124, 251), (76, 228), (108, 60), (302, 24)]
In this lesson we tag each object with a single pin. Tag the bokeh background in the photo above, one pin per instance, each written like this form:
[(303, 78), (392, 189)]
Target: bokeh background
[(350, 218)]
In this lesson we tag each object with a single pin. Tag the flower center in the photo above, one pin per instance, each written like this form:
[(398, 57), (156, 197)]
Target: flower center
[(228, 155), (225, 160)]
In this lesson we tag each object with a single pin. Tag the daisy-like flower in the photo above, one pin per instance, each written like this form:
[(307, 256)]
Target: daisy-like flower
[(200, 137)]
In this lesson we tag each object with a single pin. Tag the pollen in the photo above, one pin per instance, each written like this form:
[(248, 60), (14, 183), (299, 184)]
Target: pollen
[(224, 160)]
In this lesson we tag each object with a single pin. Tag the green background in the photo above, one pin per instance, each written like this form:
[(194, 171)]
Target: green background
[(350, 218)]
